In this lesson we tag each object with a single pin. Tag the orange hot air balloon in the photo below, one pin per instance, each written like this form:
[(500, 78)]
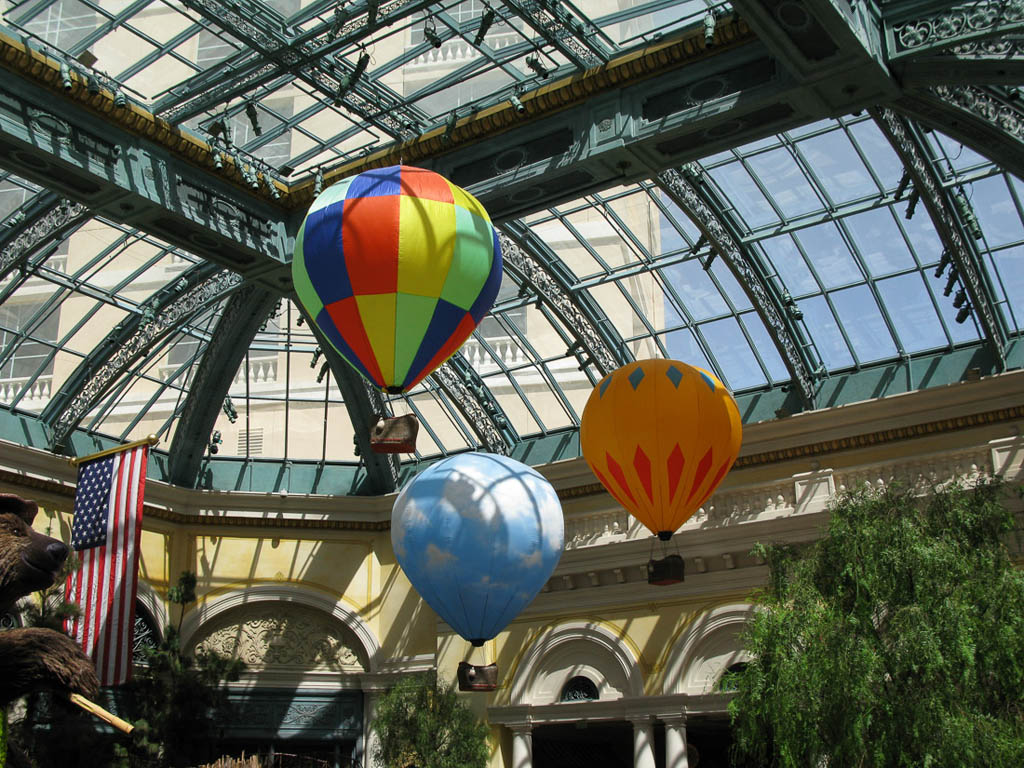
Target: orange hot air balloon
[(660, 436)]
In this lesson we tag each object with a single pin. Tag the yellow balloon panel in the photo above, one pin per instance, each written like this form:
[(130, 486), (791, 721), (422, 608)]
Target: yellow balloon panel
[(660, 436)]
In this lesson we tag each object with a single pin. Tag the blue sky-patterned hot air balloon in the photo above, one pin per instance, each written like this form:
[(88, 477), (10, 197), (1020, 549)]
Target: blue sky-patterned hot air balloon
[(478, 535)]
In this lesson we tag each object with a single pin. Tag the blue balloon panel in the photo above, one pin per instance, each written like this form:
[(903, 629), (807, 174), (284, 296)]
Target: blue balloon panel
[(478, 535)]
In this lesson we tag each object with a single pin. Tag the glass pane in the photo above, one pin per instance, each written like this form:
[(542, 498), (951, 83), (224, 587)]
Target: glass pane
[(859, 313), (912, 312), (830, 255), (880, 242)]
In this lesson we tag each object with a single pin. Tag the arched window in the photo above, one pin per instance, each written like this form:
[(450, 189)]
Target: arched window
[(147, 635), (579, 688), (727, 682)]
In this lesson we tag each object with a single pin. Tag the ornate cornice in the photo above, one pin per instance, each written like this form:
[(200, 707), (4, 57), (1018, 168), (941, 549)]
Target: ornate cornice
[(875, 438)]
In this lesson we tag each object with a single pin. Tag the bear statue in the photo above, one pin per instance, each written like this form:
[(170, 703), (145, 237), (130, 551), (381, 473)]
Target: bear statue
[(31, 658)]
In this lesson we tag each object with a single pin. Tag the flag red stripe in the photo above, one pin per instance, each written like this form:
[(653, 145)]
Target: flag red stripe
[(107, 584)]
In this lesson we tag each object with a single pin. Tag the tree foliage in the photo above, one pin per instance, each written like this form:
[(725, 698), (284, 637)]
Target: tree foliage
[(422, 723), (895, 640), (177, 699)]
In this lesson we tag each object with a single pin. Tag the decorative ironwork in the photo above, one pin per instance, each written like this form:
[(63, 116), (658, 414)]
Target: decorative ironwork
[(948, 27), (554, 293), (9, 620), (562, 30), (145, 336), (702, 209), (1001, 48), (47, 224), (144, 635), (983, 103), (474, 401), (947, 223), (307, 57), (579, 688)]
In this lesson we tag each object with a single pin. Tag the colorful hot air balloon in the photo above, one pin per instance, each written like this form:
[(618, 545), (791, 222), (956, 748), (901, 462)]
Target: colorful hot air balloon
[(477, 535), (660, 436), (396, 266)]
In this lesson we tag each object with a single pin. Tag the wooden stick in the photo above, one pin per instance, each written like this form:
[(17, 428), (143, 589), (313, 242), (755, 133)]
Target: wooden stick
[(101, 713)]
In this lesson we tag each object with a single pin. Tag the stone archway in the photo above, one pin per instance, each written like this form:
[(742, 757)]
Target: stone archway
[(576, 649), (710, 645)]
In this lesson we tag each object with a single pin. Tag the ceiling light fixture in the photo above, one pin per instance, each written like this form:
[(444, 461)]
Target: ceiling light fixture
[(486, 20), (254, 118), (534, 63), (709, 29), (348, 81), (430, 33)]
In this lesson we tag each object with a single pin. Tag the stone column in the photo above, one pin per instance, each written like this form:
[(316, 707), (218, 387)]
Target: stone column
[(366, 747), (522, 745), (675, 742), (643, 742)]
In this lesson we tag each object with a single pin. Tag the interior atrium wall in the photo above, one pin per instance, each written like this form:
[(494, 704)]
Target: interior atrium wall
[(307, 591)]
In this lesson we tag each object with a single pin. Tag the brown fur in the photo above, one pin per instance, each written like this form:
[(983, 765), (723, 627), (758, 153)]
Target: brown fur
[(33, 659)]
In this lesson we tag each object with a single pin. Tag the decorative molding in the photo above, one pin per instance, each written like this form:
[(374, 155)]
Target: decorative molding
[(283, 600), (695, 662), (589, 528), (281, 636), (950, 26), (603, 651)]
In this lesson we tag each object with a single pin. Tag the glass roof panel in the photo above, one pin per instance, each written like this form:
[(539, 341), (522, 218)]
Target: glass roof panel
[(837, 166), (781, 177), (811, 212)]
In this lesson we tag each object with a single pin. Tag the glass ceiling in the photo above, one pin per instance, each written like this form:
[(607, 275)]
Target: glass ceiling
[(822, 211)]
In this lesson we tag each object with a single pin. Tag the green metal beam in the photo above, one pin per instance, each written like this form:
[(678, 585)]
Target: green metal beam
[(246, 311), (700, 202), (959, 245), (922, 371), (160, 315)]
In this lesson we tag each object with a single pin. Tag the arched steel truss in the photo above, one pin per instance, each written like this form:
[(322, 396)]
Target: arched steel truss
[(959, 246), (700, 202), (44, 220), (988, 120), (160, 315), (477, 404), (533, 264), (246, 311)]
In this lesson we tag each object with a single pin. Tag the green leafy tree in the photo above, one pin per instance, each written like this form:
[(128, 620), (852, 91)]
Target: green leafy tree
[(421, 722), (178, 698), (895, 640)]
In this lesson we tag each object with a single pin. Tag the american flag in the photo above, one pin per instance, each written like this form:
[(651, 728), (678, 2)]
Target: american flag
[(106, 530)]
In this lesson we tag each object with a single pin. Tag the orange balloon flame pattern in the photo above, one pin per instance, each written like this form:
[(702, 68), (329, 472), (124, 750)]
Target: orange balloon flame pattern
[(660, 435)]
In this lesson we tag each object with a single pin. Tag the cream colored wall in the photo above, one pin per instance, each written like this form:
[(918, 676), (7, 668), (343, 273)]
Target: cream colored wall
[(340, 550)]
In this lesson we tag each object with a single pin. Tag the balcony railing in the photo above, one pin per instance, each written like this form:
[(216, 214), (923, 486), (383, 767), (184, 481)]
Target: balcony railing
[(39, 390)]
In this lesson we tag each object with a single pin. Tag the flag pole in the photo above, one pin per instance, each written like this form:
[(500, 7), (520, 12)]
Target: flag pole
[(149, 440)]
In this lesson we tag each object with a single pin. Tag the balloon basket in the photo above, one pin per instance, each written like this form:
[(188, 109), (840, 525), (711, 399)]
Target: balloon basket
[(473, 677), (667, 570), (395, 435)]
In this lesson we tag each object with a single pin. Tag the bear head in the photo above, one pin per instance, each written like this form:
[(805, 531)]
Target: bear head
[(29, 561)]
